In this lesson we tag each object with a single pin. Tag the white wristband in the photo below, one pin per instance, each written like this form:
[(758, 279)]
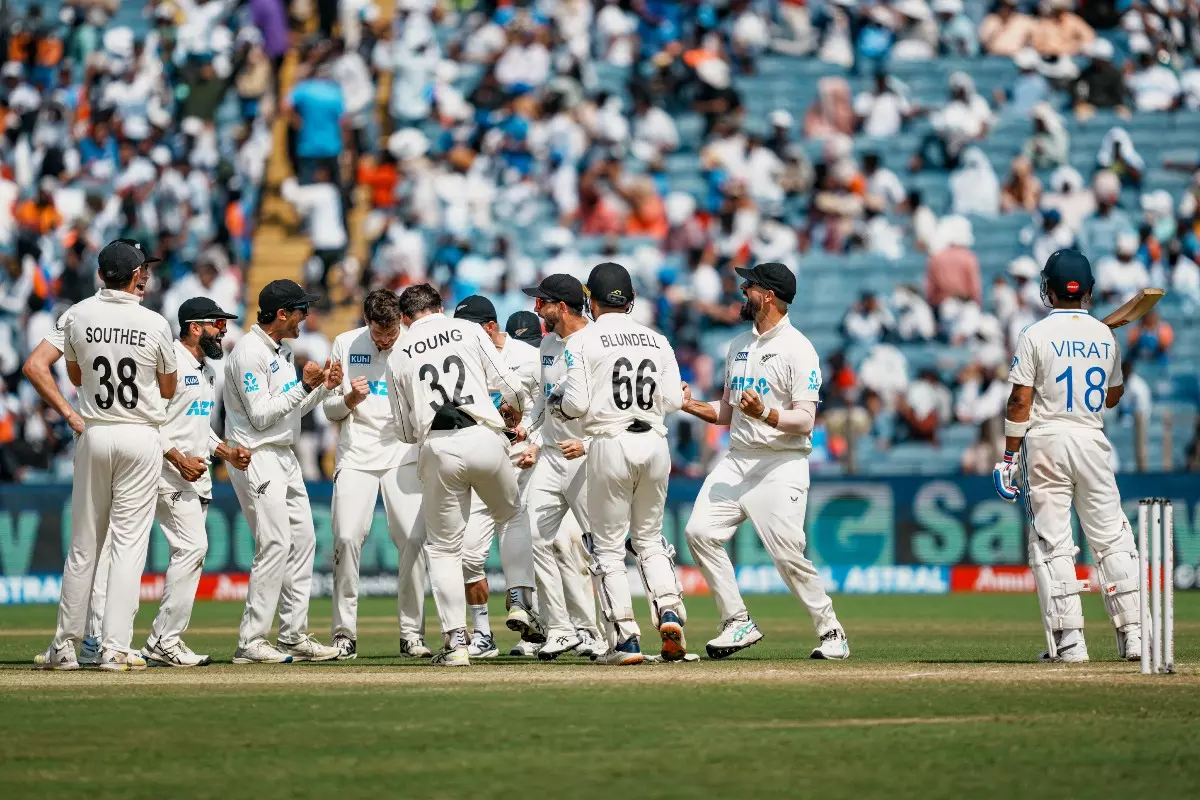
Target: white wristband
[(1015, 429), (765, 415)]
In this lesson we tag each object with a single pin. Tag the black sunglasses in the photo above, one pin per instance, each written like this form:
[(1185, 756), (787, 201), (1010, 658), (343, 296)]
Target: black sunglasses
[(301, 307)]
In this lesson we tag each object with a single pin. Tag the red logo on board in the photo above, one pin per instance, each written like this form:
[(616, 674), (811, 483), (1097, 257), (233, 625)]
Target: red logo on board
[(1072, 286)]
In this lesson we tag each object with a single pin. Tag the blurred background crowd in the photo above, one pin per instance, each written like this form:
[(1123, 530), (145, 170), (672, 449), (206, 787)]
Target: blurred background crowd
[(914, 162)]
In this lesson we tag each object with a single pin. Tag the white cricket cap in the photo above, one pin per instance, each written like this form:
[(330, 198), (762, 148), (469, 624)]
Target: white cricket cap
[(161, 156), (781, 119), (407, 143), (1127, 242)]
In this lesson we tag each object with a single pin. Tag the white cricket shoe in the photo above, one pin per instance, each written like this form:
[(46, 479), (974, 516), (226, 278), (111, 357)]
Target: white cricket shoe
[(523, 621), (736, 635), (414, 648), (524, 649), (833, 646), (61, 658), (260, 651), (1130, 644), (452, 657), (1074, 654), (347, 648), (89, 654), (173, 655), (483, 645), (557, 644), (589, 644), (309, 649), (625, 653), (121, 660)]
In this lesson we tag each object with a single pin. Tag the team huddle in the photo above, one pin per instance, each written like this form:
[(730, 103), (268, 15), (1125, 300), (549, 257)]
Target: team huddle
[(553, 445)]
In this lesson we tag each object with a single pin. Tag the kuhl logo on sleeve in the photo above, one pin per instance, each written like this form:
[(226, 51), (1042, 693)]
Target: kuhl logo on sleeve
[(359, 359), (191, 380)]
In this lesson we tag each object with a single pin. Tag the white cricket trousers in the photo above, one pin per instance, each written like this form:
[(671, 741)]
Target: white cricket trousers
[(627, 491), (275, 501), (516, 538), (117, 468), (452, 464), (771, 490), (556, 487), (182, 517), (354, 495)]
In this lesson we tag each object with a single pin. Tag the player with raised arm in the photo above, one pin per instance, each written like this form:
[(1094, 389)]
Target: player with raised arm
[(441, 376), (622, 379), (769, 402), (1066, 372)]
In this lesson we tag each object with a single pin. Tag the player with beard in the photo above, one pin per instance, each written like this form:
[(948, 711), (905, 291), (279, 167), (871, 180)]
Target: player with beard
[(769, 402)]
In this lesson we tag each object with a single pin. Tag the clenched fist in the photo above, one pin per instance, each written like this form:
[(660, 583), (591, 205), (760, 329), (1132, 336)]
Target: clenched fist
[(359, 389), (312, 374), (333, 374)]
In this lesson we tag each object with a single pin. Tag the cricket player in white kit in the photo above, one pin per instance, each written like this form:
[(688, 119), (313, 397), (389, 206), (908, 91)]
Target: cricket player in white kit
[(121, 357), (622, 379), (769, 402), (1066, 372), (559, 482), (522, 361), (372, 460), (441, 376), (185, 488), (263, 405)]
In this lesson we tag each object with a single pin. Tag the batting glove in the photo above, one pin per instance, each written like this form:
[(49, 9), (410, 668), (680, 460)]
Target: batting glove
[(1004, 476)]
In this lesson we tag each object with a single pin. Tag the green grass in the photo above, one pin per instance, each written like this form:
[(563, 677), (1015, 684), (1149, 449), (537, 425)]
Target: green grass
[(939, 700)]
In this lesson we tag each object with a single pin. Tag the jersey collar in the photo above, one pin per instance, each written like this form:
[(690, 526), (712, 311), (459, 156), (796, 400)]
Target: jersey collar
[(185, 356), (1071, 311), (780, 326), (271, 343), (117, 296), (427, 318)]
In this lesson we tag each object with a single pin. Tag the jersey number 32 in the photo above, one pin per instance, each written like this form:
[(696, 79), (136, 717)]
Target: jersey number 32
[(628, 387), (430, 373)]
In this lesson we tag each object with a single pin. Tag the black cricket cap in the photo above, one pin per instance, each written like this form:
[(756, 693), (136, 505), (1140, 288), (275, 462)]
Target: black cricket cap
[(476, 308), (559, 288), (610, 285), (774, 276), (1068, 273), (201, 308), (524, 326), (121, 258), (283, 294)]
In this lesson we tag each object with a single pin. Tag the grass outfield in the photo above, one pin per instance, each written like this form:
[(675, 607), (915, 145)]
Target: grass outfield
[(939, 700)]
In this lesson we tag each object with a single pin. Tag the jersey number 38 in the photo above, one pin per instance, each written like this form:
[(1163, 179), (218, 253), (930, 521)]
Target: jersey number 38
[(125, 392)]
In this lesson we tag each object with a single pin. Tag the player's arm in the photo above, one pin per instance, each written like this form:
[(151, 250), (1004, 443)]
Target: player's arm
[(334, 405), (248, 373), (1022, 374), (398, 397), (39, 371), (168, 374), (328, 378), (575, 389), (672, 383), (500, 379), (717, 412), (1116, 380)]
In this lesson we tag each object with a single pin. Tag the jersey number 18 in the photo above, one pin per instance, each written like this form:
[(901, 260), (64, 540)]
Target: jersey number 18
[(1096, 380)]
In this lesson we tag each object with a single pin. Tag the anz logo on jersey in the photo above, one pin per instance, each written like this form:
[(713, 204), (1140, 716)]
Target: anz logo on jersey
[(377, 388), (200, 408), (814, 381), (249, 383), (741, 383)]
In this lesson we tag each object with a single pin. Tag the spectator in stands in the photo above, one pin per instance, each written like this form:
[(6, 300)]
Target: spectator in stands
[(1030, 87), (952, 270), (1122, 275), (319, 204), (958, 36), (316, 110), (1050, 145), (38, 215), (868, 321), (924, 221), (1006, 30), (654, 130), (1098, 236), (1181, 273), (797, 21), (1022, 191), (916, 32), (966, 118), (1138, 400), (1101, 84), (1058, 31), (882, 182), (1151, 339), (1070, 197), (715, 96), (831, 113), (925, 408), (982, 393), (1154, 87), (1048, 234), (685, 233), (980, 457), (881, 112), (974, 187)]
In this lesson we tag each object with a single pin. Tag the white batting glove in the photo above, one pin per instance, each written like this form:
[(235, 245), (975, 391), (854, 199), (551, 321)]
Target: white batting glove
[(1004, 476)]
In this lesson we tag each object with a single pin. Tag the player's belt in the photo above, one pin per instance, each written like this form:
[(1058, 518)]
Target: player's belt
[(639, 426), (451, 418)]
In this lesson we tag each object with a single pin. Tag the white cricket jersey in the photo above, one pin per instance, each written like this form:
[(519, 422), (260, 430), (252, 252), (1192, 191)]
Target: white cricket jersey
[(1070, 359), (264, 398), (523, 360), (554, 370), (782, 366), (121, 348), (368, 438), (444, 363), (620, 372), (188, 427)]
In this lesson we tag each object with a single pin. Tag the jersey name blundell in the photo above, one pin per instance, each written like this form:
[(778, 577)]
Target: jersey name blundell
[(628, 340), (430, 343), (130, 336)]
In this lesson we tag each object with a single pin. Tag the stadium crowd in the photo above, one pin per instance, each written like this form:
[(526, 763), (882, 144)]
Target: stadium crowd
[(480, 145)]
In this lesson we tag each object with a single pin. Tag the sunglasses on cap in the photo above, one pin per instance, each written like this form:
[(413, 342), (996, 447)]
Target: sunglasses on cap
[(219, 324), (302, 307), (540, 302)]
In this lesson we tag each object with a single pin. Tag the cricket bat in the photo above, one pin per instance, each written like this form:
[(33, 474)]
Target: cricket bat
[(1135, 308)]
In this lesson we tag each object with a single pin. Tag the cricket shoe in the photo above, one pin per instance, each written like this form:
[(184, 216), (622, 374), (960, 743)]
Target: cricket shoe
[(736, 635), (523, 621), (260, 651), (452, 657), (414, 648), (557, 644), (483, 645), (625, 653), (1074, 654), (670, 629), (61, 658), (1129, 645), (524, 649), (833, 646), (89, 654), (589, 645), (347, 648), (121, 660), (173, 655), (309, 649)]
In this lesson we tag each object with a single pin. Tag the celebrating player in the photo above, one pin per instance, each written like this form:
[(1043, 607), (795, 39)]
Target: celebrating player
[(372, 459), (121, 357), (769, 402), (1066, 372), (263, 406), (622, 379), (441, 375)]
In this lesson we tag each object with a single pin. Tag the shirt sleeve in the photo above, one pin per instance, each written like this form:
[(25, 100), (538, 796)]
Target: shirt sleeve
[(806, 376), (1023, 369), (576, 393), (500, 379), (1115, 377), (672, 388), (166, 351), (68, 349), (334, 404), (55, 337), (249, 375), (214, 442), (398, 398)]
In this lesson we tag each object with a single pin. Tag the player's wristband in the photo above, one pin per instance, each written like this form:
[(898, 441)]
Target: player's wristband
[(1015, 429), (1009, 455), (765, 415)]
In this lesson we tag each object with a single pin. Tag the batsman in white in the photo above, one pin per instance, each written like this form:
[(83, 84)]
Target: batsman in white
[(441, 375), (371, 459), (1066, 372), (516, 540), (769, 402), (622, 379), (185, 488), (559, 482), (263, 405), (121, 358)]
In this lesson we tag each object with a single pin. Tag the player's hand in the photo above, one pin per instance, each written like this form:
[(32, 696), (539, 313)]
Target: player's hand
[(687, 392), (520, 434), (751, 404), (76, 423), (192, 468), (333, 374), (359, 389), (312, 374), (528, 457), (240, 458), (571, 449), (1005, 480), (511, 417)]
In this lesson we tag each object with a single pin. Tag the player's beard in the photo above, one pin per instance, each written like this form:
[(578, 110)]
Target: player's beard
[(211, 345), (749, 310), (551, 316)]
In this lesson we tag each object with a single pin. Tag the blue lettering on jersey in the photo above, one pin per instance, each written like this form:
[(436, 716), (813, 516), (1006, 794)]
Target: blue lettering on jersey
[(378, 388), (200, 408), (814, 381), (1013, 365), (1076, 349), (741, 384), (287, 387), (497, 399), (569, 358), (547, 361), (191, 380), (359, 358), (275, 366), (742, 356), (549, 387), (249, 383)]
